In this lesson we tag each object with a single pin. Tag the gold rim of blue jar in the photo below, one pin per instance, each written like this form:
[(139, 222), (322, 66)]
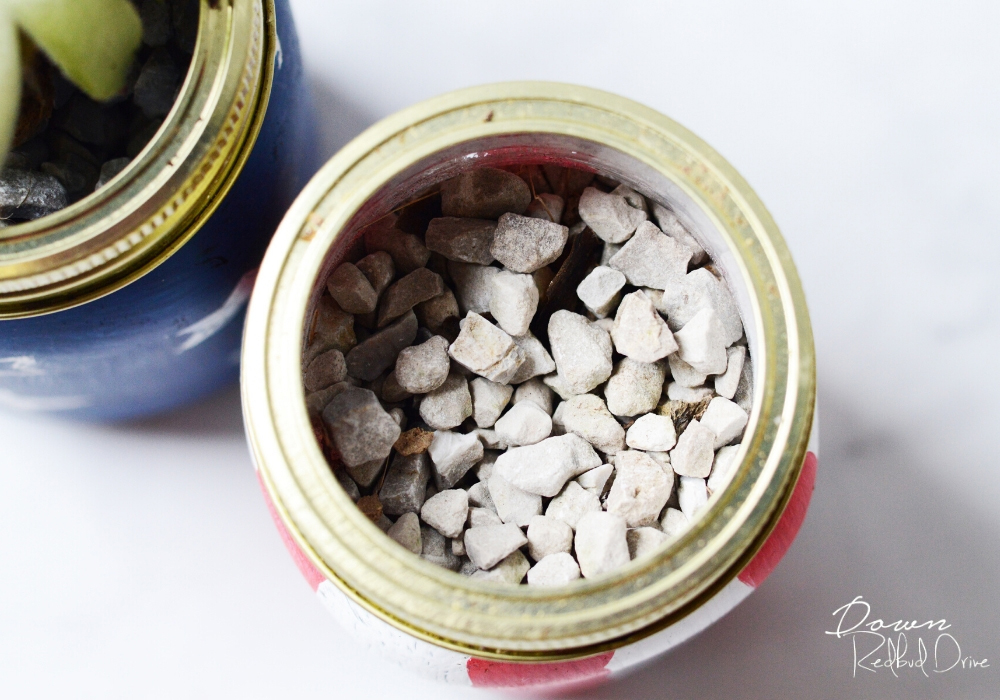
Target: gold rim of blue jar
[(162, 198), (525, 623)]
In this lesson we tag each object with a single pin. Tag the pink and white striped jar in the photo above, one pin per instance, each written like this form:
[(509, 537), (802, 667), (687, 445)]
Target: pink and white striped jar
[(457, 629)]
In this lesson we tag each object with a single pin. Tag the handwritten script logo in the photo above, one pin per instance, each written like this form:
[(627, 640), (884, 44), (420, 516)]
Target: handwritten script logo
[(875, 647)]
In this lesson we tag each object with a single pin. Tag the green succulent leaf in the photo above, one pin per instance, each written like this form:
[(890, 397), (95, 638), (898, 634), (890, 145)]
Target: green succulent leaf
[(10, 79), (92, 41)]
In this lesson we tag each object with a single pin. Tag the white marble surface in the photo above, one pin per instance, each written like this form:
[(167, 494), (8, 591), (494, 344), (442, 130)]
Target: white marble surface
[(139, 560)]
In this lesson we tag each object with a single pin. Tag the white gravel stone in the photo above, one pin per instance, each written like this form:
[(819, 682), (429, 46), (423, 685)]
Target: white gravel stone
[(537, 360), (479, 497), (458, 547), (453, 455), (679, 392), (548, 536), (511, 570), (605, 324), (633, 198), (643, 541), (554, 570), (692, 494), (559, 386), (524, 244), (473, 285), (513, 505), (587, 415), (489, 545), (609, 251), (639, 332), (406, 531), (672, 226), (601, 546), (610, 216), (635, 387), (600, 290), (726, 383), (534, 390), (524, 424), (513, 301), (651, 433), (674, 522), (446, 511), (651, 259), (490, 439), (694, 452), (480, 517), (488, 400), (582, 351), (640, 490), (702, 343), (725, 419), (484, 469), (661, 458), (595, 479), (722, 468), (572, 504), (422, 368), (360, 428), (448, 405), (684, 374), (700, 289), (545, 467), (486, 350)]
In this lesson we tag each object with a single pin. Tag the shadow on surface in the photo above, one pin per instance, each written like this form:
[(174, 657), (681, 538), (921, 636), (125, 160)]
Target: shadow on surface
[(877, 527), (219, 414), (339, 119)]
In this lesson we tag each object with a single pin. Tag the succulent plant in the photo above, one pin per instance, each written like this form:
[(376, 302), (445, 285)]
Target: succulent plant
[(91, 41)]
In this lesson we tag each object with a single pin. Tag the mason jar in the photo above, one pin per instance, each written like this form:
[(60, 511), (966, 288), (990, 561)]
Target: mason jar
[(455, 628), (131, 300)]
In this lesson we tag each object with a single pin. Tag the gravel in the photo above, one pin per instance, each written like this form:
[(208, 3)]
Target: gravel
[(575, 407)]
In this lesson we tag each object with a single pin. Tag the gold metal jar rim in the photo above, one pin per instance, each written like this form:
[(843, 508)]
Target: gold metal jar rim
[(521, 622), (168, 191)]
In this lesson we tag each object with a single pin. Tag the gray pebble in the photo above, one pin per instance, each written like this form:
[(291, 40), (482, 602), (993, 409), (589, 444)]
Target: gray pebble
[(110, 169), (369, 359), (423, 368), (464, 240), (379, 269), (158, 80), (29, 195), (407, 251), (448, 405), (416, 287), (405, 484), (325, 370), (525, 244), (351, 289), (484, 193), (360, 427), (406, 531)]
